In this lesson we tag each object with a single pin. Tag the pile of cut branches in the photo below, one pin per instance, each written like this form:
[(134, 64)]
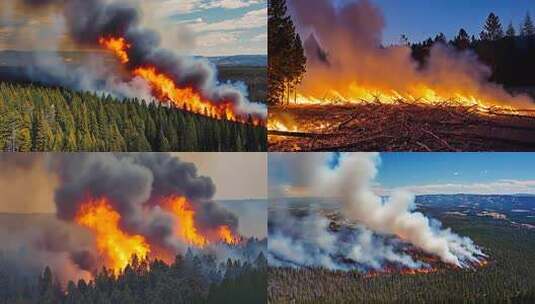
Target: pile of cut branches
[(403, 126)]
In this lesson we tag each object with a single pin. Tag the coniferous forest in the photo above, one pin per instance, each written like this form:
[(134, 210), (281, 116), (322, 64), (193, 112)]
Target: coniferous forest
[(190, 279), (34, 118), (507, 278)]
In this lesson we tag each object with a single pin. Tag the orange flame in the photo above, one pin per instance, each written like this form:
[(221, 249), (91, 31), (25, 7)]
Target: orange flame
[(117, 246), (225, 234), (118, 46), (187, 230), (185, 227), (186, 98)]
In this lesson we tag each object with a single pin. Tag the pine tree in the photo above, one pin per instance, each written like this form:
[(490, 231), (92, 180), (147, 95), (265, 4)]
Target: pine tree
[(492, 30), (511, 32), (287, 59), (462, 40), (527, 28)]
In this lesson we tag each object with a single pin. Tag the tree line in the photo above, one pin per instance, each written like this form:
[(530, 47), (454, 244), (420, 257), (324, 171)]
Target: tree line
[(34, 118), (508, 53), (287, 61), (189, 279)]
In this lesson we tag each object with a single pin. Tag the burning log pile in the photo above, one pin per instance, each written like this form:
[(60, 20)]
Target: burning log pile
[(401, 126)]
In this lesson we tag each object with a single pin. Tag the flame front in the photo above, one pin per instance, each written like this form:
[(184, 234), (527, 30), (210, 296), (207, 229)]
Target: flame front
[(166, 89), (184, 98), (117, 246), (421, 93)]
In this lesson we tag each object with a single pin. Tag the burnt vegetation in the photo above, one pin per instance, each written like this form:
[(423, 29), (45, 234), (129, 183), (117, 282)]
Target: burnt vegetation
[(507, 278), (189, 279), (35, 118)]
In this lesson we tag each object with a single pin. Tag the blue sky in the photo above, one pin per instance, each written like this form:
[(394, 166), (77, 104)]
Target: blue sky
[(430, 173), (420, 19), (412, 169), (218, 27)]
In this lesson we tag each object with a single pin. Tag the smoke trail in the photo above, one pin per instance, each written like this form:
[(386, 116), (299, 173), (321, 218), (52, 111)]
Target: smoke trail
[(350, 176), (87, 21), (345, 55)]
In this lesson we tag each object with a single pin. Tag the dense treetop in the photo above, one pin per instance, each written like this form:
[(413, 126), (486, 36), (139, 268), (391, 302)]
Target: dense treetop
[(34, 118)]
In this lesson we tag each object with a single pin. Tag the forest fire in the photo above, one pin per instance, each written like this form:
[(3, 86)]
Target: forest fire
[(186, 227), (409, 96), (116, 246), (226, 235), (184, 98), (166, 89)]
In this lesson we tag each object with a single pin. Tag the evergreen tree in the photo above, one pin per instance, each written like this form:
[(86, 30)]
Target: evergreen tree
[(462, 40), (527, 29), (440, 38), (492, 30), (43, 119), (286, 62), (511, 32)]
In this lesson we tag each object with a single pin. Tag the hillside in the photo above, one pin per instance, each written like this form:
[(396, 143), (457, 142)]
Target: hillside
[(34, 118)]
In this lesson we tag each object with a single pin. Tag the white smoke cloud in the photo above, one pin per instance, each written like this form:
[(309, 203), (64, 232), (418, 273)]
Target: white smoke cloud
[(309, 241), (350, 177)]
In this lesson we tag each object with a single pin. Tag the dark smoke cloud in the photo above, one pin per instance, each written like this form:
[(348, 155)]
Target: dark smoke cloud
[(130, 182), (176, 177)]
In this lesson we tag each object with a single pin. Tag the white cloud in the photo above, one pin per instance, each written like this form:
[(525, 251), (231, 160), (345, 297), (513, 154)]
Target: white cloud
[(250, 20), (497, 187), (165, 8), (230, 4)]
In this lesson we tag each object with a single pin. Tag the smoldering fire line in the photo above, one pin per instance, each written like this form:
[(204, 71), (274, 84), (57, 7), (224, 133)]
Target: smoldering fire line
[(186, 82)]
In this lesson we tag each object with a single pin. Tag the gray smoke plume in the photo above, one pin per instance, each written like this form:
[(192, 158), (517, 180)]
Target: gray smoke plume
[(350, 176), (350, 34), (88, 20)]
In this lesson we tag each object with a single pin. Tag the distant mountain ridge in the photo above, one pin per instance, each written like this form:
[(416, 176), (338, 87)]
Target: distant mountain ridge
[(17, 58), (239, 60), (500, 202)]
